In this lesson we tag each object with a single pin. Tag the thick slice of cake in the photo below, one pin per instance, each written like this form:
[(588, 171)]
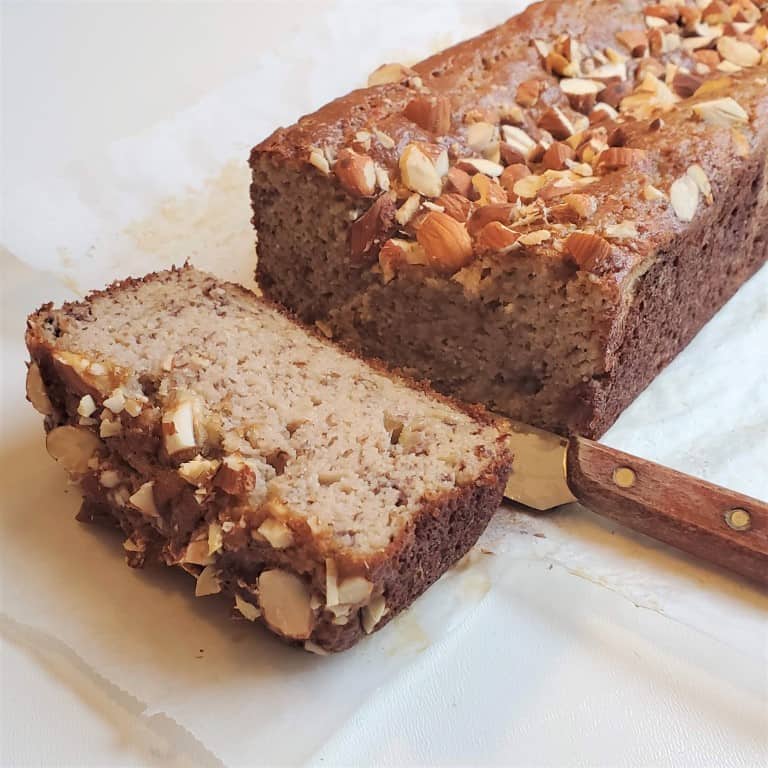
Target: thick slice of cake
[(321, 493)]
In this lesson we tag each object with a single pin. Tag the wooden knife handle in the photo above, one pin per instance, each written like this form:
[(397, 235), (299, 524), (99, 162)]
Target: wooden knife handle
[(713, 523)]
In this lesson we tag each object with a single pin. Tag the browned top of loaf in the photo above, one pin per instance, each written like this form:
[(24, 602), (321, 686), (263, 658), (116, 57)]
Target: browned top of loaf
[(689, 84)]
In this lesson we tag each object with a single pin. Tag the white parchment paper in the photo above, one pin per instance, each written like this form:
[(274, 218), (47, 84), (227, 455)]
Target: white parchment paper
[(202, 690)]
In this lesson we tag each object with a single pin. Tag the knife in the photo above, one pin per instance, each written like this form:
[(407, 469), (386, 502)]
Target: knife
[(717, 525)]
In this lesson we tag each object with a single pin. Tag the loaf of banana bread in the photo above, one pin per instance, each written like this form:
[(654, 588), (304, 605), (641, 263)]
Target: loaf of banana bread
[(321, 493), (538, 219)]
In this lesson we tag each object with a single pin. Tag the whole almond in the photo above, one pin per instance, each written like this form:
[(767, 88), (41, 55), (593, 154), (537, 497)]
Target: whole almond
[(432, 113), (445, 241), (356, 172), (587, 250), (495, 237)]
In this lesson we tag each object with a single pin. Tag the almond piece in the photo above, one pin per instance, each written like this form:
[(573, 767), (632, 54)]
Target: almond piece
[(460, 181), (557, 123), (723, 112), (284, 599), (495, 237), (684, 196), (354, 590), (587, 250), (198, 471), (208, 582), (528, 187), (481, 135), (621, 157), (487, 190), (72, 447), (318, 159), (372, 614), (481, 217), (651, 193), (432, 113), (634, 39), (355, 172), (277, 533), (700, 178), (36, 393), (512, 174), (556, 156), (456, 206), (235, 477), (738, 52), (708, 58), (669, 13), (420, 173), (144, 500), (368, 231), (396, 253), (519, 140), (480, 165), (582, 205), (389, 73), (528, 93), (178, 426), (446, 242), (581, 93), (685, 84)]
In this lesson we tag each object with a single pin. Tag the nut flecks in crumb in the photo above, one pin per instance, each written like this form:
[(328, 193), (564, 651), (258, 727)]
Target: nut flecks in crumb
[(36, 392), (684, 196)]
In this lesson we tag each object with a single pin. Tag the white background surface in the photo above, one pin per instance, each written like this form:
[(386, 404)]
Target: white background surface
[(125, 129)]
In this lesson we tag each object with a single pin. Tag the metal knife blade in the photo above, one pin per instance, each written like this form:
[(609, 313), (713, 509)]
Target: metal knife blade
[(538, 477)]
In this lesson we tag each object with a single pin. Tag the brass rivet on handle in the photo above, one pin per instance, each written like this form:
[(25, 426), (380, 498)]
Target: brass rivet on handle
[(738, 519), (624, 477)]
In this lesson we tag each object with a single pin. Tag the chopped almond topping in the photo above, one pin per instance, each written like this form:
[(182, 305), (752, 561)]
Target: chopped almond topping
[(495, 237), (587, 250), (556, 156), (582, 94), (501, 212), (432, 113), (420, 172), (456, 206), (528, 93), (555, 121), (721, 112), (487, 190), (512, 174), (634, 39), (684, 196), (356, 172), (621, 157), (446, 242), (460, 181), (738, 52)]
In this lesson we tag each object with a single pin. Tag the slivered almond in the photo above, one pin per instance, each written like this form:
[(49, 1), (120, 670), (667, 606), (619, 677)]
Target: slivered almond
[(721, 112), (355, 172), (738, 52), (684, 196), (621, 157), (494, 237), (556, 156), (581, 93), (481, 217), (528, 93), (634, 39), (446, 242), (456, 206), (481, 165), (557, 123), (699, 176), (318, 159), (37, 394), (587, 250), (432, 113)]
